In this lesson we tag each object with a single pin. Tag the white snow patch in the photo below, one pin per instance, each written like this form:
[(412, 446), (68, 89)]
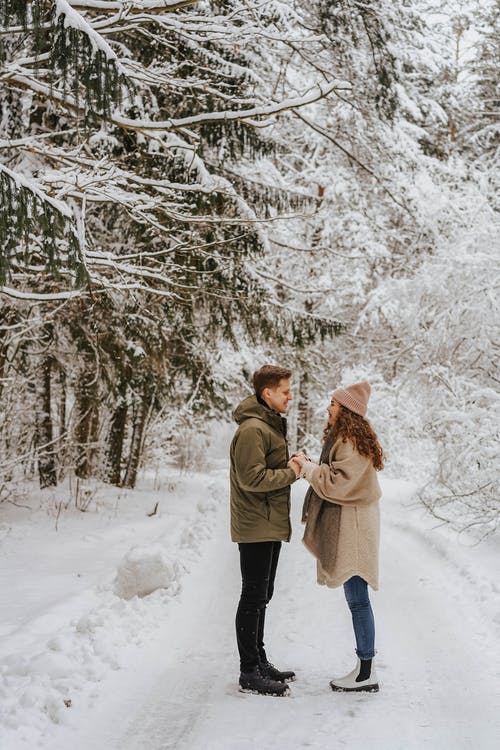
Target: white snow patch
[(144, 570)]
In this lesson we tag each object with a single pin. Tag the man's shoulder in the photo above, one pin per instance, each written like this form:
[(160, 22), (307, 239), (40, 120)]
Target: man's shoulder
[(252, 424)]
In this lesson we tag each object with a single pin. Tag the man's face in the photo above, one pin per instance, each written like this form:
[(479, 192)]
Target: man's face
[(277, 398)]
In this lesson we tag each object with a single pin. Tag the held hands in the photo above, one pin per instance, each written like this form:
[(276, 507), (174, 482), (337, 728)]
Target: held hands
[(297, 461), (300, 458)]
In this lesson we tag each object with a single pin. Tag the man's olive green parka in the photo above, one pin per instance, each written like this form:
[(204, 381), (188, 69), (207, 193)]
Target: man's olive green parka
[(260, 478)]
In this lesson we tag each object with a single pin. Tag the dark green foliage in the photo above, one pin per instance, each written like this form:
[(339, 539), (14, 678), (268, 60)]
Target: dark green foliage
[(357, 25), (170, 239), (33, 231), (78, 68), (482, 133), (81, 70)]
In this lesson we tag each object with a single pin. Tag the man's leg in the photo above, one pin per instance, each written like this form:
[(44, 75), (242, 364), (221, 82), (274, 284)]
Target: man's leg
[(256, 560), (269, 669), (270, 590)]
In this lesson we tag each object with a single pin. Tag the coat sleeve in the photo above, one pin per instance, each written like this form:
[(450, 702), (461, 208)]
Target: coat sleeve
[(252, 471), (341, 480)]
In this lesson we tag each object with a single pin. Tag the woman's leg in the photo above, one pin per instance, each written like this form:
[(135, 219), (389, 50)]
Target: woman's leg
[(356, 594)]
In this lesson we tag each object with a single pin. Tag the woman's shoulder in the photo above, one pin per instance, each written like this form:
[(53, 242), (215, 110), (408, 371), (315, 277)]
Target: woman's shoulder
[(342, 447), (343, 450)]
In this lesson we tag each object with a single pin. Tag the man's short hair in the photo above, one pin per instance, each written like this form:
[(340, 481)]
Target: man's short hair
[(269, 376)]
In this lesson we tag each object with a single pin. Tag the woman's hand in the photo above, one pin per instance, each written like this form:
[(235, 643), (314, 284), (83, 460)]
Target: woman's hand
[(300, 458)]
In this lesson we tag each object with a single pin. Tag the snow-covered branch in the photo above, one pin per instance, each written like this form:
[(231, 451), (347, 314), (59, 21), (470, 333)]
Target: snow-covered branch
[(132, 6), (39, 296), (20, 181)]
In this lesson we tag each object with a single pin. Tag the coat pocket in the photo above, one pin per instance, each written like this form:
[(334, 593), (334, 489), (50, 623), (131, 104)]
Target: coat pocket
[(267, 507), (277, 506)]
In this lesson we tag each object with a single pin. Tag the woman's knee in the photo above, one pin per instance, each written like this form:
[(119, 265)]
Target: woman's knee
[(356, 592)]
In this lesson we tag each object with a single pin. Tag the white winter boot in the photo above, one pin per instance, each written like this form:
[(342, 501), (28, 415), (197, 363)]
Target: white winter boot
[(362, 677)]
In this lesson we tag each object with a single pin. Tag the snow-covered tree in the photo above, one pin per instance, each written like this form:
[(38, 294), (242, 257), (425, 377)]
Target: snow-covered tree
[(121, 207)]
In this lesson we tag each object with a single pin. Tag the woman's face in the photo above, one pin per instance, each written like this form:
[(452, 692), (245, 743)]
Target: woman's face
[(333, 411)]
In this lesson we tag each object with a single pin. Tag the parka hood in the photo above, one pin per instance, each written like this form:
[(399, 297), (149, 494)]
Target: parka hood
[(251, 408)]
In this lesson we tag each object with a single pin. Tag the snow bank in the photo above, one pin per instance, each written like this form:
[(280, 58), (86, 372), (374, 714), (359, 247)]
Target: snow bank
[(56, 657), (144, 570)]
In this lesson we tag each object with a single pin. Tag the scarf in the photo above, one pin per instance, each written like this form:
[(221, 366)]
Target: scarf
[(322, 520)]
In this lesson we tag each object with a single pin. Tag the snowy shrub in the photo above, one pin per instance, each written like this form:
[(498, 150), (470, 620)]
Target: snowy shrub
[(465, 430), (443, 326)]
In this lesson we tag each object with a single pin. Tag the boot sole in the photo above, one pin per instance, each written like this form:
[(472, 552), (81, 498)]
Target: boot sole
[(284, 694), (364, 689)]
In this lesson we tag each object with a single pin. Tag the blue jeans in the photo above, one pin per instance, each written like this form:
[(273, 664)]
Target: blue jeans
[(356, 594)]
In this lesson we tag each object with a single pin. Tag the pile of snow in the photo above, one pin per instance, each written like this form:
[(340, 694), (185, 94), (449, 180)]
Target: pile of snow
[(144, 570)]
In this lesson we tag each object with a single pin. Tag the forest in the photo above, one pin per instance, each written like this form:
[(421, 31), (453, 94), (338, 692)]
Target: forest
[(190, 189)]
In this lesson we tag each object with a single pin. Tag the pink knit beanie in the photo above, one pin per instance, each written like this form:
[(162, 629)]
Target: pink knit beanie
[(354, 397)]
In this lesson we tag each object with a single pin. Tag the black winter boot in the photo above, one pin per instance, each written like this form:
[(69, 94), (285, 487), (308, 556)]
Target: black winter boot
[(269, 670), (256, 682)]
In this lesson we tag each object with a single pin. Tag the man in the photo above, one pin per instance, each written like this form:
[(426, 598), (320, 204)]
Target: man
[(261, 475)]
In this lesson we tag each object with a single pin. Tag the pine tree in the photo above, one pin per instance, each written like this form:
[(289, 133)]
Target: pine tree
[(120, 197)]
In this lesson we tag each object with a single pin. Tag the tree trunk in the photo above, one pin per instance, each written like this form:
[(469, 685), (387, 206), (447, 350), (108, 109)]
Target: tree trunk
[(115, 443), (44, 429), (303, 411), (140, 420), (85, 414), (93, 441), (62, 445), (8, 317)]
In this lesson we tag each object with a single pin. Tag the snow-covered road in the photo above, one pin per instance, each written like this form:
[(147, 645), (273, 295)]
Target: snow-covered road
[(437, 641), (438, 626)]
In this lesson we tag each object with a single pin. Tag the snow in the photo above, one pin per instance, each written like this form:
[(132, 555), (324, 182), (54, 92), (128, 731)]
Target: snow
[(25, 182), (85, 663), (144, 570), (76, 21)]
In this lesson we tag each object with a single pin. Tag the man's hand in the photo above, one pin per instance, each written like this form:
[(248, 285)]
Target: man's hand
[(293, 464)]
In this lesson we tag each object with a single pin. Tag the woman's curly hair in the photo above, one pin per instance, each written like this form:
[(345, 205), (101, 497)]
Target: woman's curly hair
[(358, 430)]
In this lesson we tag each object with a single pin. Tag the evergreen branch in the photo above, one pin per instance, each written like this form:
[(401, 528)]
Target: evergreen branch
[(327, 250), (114, 175), (148, 127), (5, 30), (74, 20), (279, 281), (327, 326), (28, 140), (142, 273), (132, 6), (23, 182), (33, 210), (40, 297), (320, 91), (322, 131)]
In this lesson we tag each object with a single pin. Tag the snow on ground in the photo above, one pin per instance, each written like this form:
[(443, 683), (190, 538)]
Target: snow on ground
[(67, 616), (82, 667)]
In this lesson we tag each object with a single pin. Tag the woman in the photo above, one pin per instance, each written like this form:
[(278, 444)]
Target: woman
[(341, 513)]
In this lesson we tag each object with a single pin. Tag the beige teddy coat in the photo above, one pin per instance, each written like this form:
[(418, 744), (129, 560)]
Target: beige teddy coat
[(350, 481)]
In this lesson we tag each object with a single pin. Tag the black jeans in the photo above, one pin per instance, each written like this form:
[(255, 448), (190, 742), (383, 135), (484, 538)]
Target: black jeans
[(258, 563)]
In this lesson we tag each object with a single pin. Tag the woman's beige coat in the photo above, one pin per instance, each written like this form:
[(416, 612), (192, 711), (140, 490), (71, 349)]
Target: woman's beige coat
[(350, 481)]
